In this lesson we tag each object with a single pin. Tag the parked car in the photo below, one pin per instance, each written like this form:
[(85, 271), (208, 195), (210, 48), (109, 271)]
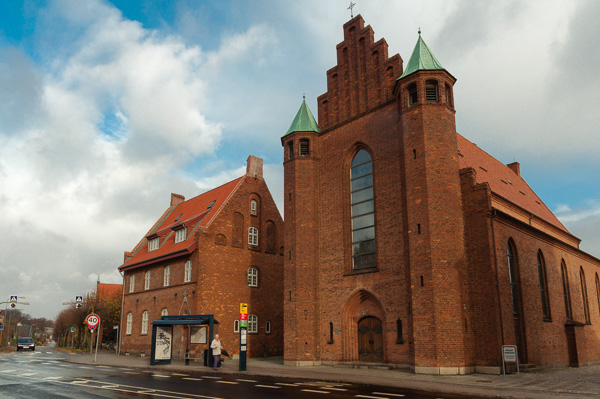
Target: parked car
[(25, 343)]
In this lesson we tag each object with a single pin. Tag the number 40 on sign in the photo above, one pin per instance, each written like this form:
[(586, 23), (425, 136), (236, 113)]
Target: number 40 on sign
[(92, 321)]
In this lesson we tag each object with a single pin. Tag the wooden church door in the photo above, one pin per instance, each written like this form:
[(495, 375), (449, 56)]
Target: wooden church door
[(370, 340)]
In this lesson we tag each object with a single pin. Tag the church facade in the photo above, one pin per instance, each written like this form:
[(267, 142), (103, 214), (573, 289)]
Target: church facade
[(408, 245)]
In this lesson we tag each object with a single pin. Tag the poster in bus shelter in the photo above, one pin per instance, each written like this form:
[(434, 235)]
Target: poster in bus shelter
[(163, 344)]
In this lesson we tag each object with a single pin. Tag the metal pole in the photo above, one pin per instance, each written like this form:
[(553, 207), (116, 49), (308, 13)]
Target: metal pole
[(97, 338)]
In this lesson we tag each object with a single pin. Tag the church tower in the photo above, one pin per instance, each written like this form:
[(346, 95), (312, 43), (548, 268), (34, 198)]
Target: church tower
[(301, 188), (434, 222)]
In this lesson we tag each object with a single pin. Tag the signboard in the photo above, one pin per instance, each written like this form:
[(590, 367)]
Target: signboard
[(243, 308), (198, 335), (78, 299), (92, 321), (13, 298), (509, 353), (163, 343), (72, 329), (243, 337), (1, 327)]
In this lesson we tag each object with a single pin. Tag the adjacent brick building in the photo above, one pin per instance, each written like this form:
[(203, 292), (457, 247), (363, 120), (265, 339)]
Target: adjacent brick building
[(207, 255), (407, 244)]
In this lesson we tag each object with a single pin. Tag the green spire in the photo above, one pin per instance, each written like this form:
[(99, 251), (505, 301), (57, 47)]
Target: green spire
[(304, 121), (421, 59)]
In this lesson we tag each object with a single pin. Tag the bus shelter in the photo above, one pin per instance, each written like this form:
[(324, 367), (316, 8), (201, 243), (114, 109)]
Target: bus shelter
[(201, 330)]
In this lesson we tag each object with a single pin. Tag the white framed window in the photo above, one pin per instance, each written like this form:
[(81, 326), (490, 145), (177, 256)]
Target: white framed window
[(145, 322), (180, 235), (147, 280), (253, 236), (131, 283), (253, 277), (167, 276), (153, 244), (252, 324), (253, 207), (164, 312), (187, 277), (268, 327), (129, 323), (236, 326)]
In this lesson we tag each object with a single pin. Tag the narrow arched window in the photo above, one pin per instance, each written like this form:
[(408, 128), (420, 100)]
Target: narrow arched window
[(543, 287), (268, 327), (253, 236), (167, 276), (413, 97), (187, 277), (252, 323), (431, 91), (448, 91), (147, 280), (362, 211), (253, 277), (253, 207), (145, 322), (131, 283), (164, 312), (514, 285), (236, 326), (129, 323), (584, 296), (290, 150), (566, 290)]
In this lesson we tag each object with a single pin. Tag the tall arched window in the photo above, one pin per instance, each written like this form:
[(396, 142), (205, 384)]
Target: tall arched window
[(413, 97), (131, 283), (544, 287), (129, 323), (514, 285), (187, 277), (566, 290), (363, 211), (145, 322), (167, 276), (253, 236), (584, 296), (147, 280)]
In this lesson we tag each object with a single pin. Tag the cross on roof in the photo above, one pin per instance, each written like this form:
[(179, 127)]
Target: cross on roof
[(350, 8)]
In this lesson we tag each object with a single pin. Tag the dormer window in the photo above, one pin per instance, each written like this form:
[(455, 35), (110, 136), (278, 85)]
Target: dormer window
[(153, 244), (413, 98), (180, 235), (431, 91), (253, 207)]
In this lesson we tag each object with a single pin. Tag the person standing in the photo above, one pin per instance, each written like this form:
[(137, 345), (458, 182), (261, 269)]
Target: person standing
[(216, 350)]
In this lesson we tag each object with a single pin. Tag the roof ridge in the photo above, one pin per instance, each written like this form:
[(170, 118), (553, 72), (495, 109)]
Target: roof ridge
[(218, 210)]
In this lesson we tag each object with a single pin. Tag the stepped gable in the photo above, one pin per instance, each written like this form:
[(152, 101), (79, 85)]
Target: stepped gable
[(195, 213), (503, 181), (363, 78)]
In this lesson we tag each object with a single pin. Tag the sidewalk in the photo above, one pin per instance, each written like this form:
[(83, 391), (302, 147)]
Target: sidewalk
[(565, 383)]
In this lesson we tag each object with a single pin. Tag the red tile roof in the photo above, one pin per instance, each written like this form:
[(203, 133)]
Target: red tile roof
[(105, 291), (194, 213), (503, 181)]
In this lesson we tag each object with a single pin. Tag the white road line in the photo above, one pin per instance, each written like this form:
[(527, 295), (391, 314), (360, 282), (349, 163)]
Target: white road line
[(105, 367), (211, 377), (369, 397), (53, 378), (131, 372), (7, 371), (389, 394), (335, 389), (314, 391), (285, 384), (180, 375), (266, 386), (84, 367), (240, 380), (160, 375), (193, 379), (228, 382), (27, 374)]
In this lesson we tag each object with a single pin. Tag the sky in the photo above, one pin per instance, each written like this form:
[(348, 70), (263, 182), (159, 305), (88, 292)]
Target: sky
[(107, 107)]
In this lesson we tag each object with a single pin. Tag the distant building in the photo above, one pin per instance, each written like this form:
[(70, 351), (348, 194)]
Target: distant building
[(207, 255), (407, 244)]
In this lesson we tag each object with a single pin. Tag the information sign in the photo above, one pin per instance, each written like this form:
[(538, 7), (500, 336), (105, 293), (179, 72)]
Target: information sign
[(92, 321), (78, 299), (509, 353), (13, 298)]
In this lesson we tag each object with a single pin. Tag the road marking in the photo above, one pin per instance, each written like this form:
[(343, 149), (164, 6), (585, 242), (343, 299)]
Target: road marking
[(228, 382), (335, 389), (180, 375), (214, 378), (80, 382), (314, 391), (389, 394), (369, 397), (83, 367), (240, 380), (285, 384), (193, 379), (27, 374), (266, 386), (53, 378), (104, 367), (160, 375), (131, 372), (7, 371)]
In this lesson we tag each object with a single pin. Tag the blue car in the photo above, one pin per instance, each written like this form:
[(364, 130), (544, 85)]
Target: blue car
[(25, 343)]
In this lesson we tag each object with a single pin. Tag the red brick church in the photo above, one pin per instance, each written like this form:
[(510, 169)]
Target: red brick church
[(406, 244)]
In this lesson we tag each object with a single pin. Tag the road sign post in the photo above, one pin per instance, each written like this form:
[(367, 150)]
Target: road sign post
[(93, 321), (243, 335)]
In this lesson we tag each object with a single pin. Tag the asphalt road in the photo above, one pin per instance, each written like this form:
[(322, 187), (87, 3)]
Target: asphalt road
[(45, 375)]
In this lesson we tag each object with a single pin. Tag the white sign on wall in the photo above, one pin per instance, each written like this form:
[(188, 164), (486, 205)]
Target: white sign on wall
[(164, 343)]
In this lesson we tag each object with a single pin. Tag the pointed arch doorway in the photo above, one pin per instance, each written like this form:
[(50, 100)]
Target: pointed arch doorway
[(370, 340)]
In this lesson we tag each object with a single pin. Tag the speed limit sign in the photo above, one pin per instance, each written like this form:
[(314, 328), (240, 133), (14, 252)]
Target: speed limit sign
[(92, 321)]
